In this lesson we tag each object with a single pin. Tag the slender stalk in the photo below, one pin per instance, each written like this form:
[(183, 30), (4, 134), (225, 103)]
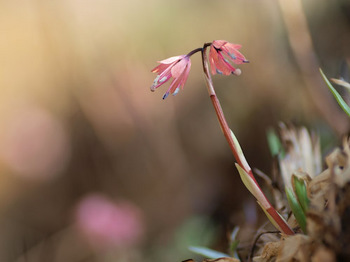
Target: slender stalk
[(221, 117), (280, 223), (195, 51)]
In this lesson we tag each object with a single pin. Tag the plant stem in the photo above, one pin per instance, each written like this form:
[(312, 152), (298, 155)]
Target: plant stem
[(261, 198)]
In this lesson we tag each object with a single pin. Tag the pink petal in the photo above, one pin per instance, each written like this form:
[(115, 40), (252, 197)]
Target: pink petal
[(223, 66), (186, 73), (219, 43), (174, 85), (232, 51), (180, 81), (213, 57), (166, 63), (160, 68), (230, 46), (178, 68), (172, 59), (159, 81)]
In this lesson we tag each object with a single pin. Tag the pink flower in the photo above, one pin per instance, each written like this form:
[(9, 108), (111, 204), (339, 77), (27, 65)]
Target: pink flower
[(105, 224), (220, 52), (177, 67)]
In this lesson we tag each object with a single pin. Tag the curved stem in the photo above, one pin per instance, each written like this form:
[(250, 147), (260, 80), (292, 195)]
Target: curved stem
[(198, 49), (220, 115), (236, 150)]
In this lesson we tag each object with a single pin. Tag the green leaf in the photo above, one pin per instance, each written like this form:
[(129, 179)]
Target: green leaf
[(296, 209), (337, 96), (234, 242), (274, 142), (207, 252), (301, 192)]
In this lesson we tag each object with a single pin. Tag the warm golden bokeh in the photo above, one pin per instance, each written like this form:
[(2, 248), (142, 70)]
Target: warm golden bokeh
[(77, 116)]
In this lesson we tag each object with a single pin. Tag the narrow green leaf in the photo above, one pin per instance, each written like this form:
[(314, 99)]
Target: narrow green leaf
[(336, 95), (233, 247), (296, 209), (301, 192), (234, 242), (274, 142), (207, 252)]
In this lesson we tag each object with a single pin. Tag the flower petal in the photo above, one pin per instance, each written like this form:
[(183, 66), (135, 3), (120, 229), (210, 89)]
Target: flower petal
[(219, 43), (213, 57), (186, 73), (179, 81), (223, 65), (172, 59), (179, 68), (158, 81), (231, 50)]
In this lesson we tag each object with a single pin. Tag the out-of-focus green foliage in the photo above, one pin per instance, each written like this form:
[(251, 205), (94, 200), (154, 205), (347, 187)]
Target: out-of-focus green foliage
[(300, 190), (274, 143), (207, 252), (336, 95), (296, 208)]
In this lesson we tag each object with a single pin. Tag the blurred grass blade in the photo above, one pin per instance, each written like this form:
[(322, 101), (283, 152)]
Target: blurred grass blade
[(234, 242), (337, 96), (207, 252), (296, 209), (301, 192), (274, 142)]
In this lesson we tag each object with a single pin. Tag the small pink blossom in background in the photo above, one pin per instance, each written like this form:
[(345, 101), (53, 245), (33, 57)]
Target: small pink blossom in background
[(219, 55), (33, 142), (105, 224), (177, 67)]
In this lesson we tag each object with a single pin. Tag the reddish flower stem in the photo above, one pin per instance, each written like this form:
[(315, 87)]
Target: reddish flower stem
[(283, 226)]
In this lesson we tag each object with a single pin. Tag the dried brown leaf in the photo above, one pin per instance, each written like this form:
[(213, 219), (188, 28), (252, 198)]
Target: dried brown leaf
[(323, 254), (271, 250), (302, 153), (341, 82), (295, 248)]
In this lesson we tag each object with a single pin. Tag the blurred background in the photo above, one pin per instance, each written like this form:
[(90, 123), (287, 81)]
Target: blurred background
[(95, 167)]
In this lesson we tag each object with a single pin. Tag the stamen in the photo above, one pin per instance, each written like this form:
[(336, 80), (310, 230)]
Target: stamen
[(165, 95), (218, 71), (176, 91), (237, 72), (232, 56), (163, 79), (155, 82)]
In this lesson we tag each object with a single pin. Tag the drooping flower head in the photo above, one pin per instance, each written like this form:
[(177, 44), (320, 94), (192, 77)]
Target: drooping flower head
[(177, 67), (221, 53)]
